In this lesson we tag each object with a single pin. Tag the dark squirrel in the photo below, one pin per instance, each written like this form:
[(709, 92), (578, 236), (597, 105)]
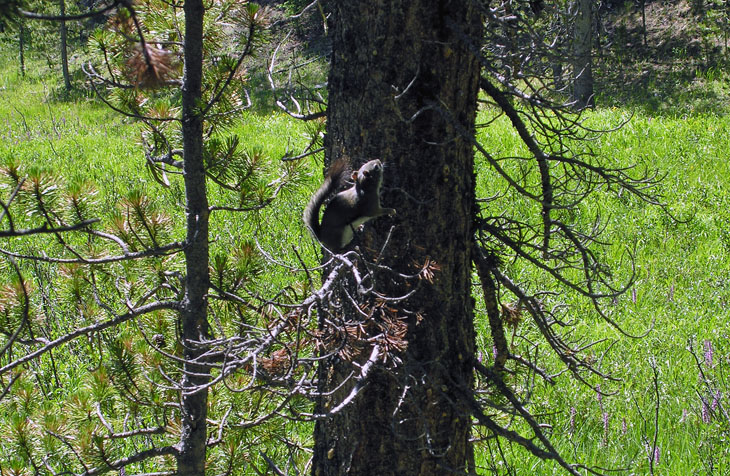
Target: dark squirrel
[(348, 209)]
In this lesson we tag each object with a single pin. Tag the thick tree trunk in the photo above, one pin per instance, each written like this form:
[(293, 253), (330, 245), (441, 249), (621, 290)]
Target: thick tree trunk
[(64, 47), (583, 61), (194, 324), (403, 88)]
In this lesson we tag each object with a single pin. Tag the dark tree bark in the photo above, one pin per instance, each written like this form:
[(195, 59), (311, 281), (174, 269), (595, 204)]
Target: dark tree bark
[(583, 61), (403, 88), (193, 316), (64, 47), (21, 48)]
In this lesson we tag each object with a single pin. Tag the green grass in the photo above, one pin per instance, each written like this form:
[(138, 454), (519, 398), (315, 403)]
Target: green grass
[(682, 291), (85, 140)]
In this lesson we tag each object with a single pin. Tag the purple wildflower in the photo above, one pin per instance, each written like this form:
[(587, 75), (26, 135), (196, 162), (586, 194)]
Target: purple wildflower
[(657, 452), (716, 400), (571, 424), (709, 352), (705, 412)]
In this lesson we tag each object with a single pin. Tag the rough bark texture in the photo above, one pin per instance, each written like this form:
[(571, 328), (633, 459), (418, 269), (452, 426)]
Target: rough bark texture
[(583, 62), (403, 88), (193, 316)]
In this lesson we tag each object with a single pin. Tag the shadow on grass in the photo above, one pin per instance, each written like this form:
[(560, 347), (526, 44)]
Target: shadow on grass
[(672, 68), (671, 87), (664, 91)]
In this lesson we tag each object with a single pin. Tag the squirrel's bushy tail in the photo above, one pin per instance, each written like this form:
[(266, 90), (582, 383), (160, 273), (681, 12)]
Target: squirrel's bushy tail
[(333, 179)]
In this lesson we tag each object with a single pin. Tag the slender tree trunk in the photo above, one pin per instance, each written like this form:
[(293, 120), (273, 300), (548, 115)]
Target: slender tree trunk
[(583, 60), (194, 324), (643, 22), (64, 47), (698, 7), (403, 88), (21, 48)]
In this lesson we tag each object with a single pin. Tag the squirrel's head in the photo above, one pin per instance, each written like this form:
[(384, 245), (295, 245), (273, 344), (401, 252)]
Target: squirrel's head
[(369, 176)]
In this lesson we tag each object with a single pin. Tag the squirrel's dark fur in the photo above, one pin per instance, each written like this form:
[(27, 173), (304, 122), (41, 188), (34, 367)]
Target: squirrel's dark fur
[(348, 209)]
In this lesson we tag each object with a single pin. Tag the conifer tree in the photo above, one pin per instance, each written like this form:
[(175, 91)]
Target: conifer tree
[(153, 337)]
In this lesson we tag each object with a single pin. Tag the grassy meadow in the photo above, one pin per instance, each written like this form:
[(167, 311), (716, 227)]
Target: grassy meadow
[(667, 423), (680, 298)]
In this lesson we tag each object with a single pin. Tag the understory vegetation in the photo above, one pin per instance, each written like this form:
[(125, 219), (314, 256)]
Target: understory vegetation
[(667, 412)]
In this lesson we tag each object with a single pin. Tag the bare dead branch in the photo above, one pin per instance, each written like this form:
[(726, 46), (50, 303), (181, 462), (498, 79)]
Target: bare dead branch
[(135, 458), (81, 16), (163, 250), (99, 326), (46, 229), (279, 102)]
